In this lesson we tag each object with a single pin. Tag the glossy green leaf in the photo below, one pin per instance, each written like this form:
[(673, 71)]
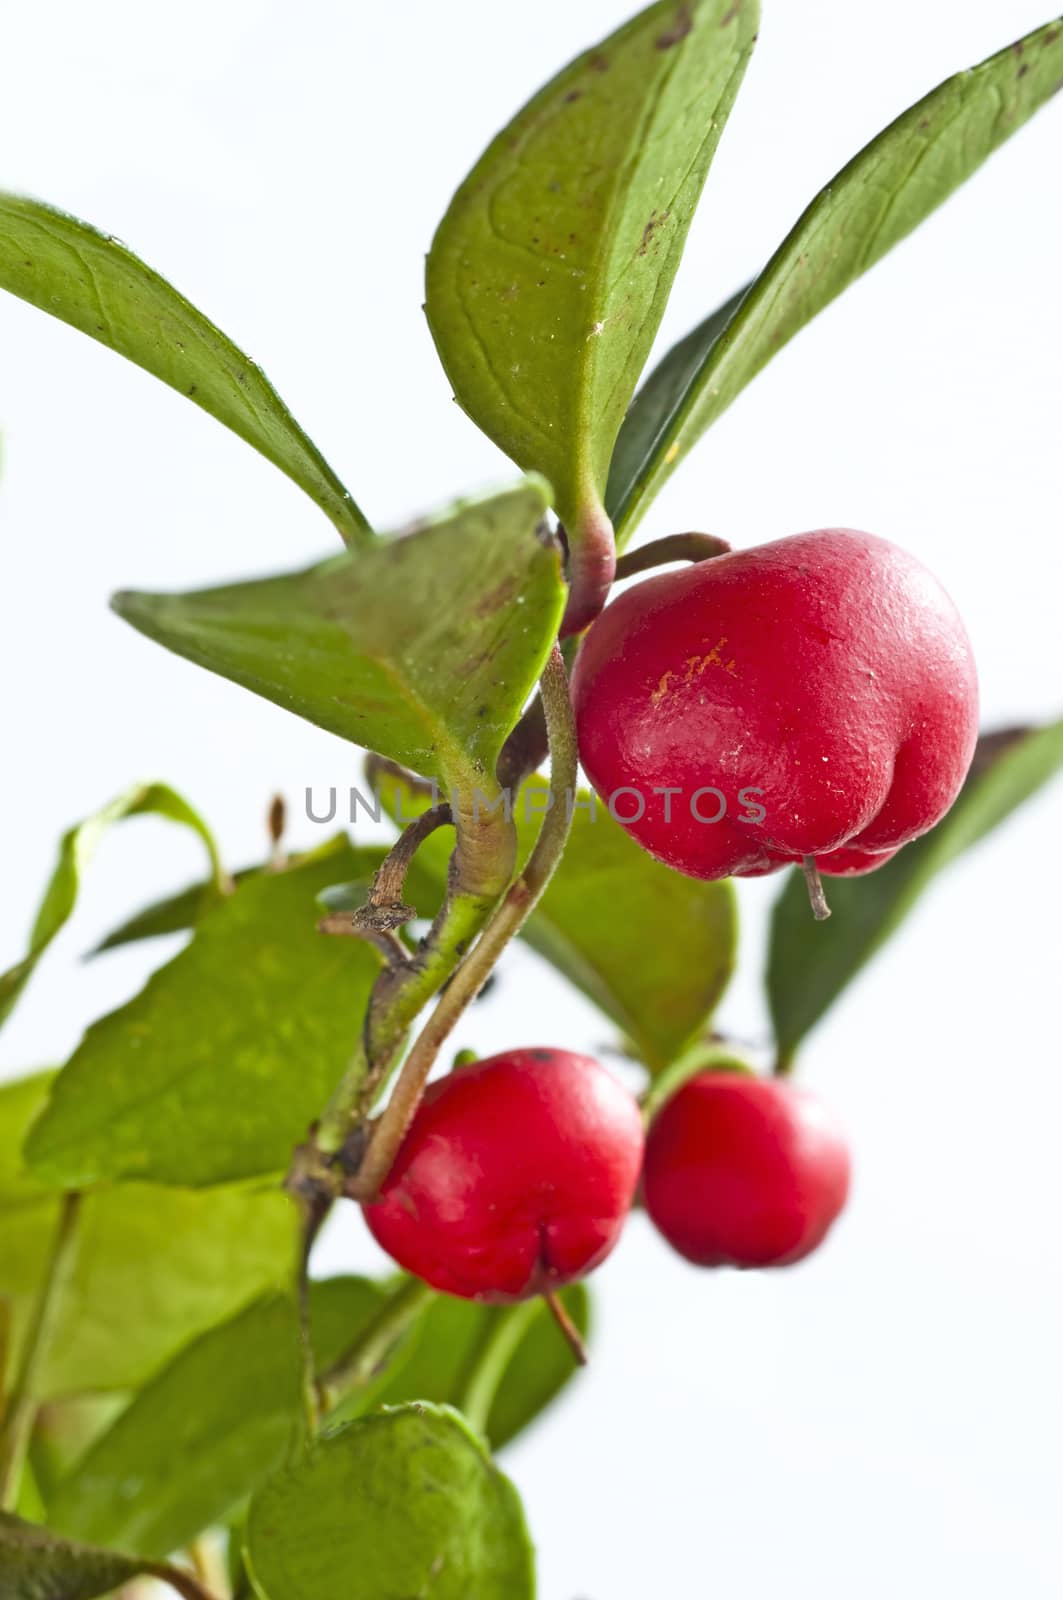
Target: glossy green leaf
[(653, 949), (209, 1428), (202, 1435), (808, 966), (154, 1266), (456, 1337), (91, 281), (873, 203), (403, 1503), (36, 1564), (75, 853), (548, 276), (215, 1070), (424, 648)]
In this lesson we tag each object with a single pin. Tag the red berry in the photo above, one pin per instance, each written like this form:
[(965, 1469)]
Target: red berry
[(515, 1177), (847, 863), (744, 1172), (827, 673)]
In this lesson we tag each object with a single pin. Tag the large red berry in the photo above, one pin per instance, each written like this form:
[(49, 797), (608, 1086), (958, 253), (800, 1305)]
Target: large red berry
[(744, 1172), (515, 1177), (800, 698)]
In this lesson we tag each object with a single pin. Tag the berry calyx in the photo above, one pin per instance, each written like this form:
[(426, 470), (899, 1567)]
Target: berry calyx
[(744, 1172), (803, 698), (514, 1178)]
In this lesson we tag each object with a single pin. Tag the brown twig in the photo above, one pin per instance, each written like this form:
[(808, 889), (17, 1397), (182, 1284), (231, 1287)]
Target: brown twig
[(816, 896), (693, 547), (572, 1335)]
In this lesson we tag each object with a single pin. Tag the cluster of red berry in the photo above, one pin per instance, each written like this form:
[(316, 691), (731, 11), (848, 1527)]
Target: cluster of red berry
[(831, 671), (519, 1171)]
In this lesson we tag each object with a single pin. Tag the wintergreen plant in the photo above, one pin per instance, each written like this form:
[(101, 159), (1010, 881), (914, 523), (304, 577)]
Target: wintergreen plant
[(174, 1382)]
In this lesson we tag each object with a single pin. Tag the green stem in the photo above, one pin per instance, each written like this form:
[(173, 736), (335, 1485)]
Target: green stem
[(22, 1403), (315, 1209), (401, 993), (709, 1057), (516, 907), (360, 1363), (490, 1362)]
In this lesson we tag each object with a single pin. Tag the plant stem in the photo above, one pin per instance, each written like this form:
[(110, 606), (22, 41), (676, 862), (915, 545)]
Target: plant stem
[(527, 746), (591, 568), (519, 901), (572, 1336), (185, 1584), (676, 547), (390, 877), (816, 896), (315, 1208), (505, 1331), (359, 1364), (207, 1564), (22, 1403)]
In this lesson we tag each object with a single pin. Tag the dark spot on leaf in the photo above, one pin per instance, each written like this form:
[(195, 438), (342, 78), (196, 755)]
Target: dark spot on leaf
[(1019, 46), (573, 94), (1050, 38), (682, 25), (497, 598), (650, 229), (481, 711), (191, 389), (1023, 70), (924, 123), (598, 62), (27, 263), (735, 9)]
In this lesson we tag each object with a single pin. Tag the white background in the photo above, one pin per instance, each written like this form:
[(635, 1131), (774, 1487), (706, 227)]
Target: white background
[(885, 1419)]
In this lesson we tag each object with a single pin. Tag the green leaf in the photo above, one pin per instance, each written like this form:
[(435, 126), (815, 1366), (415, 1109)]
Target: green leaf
[(548, 276), (91, 281), (75, 853), (403, 1503), (424, 648), (808, 967), (154, 1267), (873, 203), (451, 1343), (653, 949), (210, 1428), (202, 1435), (36, 1564), (214, 1071)]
